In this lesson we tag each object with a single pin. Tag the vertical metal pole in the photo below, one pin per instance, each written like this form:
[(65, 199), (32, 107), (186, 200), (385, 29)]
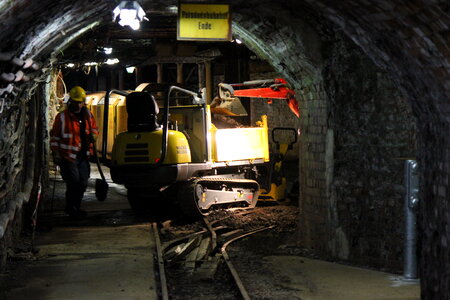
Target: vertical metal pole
[(180, 78), (411, 202), (113, 81), (159, 73), (105, 125), (201, 76), (208, 82), (159, 76), (138, 72), (121, 80)]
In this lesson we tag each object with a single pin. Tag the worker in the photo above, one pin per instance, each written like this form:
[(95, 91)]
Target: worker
[(71, 138)]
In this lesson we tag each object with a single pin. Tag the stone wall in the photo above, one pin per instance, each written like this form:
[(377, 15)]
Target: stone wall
[(374, 132), (23, 167), (315, 165), (355, 131)]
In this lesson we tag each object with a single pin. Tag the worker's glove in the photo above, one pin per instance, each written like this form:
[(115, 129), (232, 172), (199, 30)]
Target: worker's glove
[(57, 159)]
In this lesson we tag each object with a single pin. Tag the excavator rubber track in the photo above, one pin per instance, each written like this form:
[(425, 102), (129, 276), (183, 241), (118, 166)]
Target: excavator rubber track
[(199, 196)]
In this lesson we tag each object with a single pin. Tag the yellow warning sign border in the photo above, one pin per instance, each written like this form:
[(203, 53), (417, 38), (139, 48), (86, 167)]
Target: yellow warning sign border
[(196, 19)]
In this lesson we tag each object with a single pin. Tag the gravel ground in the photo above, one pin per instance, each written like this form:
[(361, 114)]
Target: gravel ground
[(247, 254)]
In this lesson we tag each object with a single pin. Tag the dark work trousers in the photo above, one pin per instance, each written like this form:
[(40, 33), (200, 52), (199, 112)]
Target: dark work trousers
[(76, 175)]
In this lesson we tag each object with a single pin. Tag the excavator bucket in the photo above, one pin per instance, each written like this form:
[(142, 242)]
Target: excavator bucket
[(226, 103)]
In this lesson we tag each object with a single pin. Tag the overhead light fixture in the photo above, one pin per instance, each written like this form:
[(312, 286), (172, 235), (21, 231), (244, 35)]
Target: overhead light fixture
[(107, 50), (238, 41), (172, 8), (70, 65), (112, 61), (89, 64), (130, 13), (130, 69)]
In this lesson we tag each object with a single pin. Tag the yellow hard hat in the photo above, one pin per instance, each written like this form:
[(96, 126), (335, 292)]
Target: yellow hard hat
[(77, 93)]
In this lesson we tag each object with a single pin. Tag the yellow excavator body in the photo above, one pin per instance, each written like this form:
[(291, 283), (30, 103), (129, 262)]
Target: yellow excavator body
[(178, 149), (144, 148)]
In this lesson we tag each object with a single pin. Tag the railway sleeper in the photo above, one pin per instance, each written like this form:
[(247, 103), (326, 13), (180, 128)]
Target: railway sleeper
[(208, 268), (179, 252), (175, 250)]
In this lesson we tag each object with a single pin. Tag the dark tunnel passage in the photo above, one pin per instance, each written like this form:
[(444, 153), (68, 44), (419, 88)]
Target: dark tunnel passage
[(372, 80)]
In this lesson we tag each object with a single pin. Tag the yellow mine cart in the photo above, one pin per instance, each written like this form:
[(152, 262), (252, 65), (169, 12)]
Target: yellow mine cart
[(116, 118), (96, 108)]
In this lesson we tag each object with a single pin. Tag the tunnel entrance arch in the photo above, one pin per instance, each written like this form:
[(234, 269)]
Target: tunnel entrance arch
[(408, 40)]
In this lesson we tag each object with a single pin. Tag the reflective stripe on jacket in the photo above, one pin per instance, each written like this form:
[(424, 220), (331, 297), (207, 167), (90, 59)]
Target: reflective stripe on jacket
[(65, 134)]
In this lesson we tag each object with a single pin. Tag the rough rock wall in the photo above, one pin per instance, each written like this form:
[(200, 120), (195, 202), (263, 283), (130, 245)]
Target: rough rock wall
[(410, 40), (374, 132), (31, 31), (354, 130), (23, 159)]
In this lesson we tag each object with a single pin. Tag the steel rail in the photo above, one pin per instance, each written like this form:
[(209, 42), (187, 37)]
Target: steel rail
[(213, 234), (230, 265), (162, 272)]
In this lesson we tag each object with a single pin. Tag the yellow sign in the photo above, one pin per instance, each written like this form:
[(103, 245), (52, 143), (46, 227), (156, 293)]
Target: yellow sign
[(204, 22)]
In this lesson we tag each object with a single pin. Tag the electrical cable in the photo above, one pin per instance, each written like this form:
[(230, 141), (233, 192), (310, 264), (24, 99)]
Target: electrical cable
[(34, 216), (55, 85)]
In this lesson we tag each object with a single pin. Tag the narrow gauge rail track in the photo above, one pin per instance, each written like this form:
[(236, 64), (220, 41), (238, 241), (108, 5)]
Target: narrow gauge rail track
[(197, 257)]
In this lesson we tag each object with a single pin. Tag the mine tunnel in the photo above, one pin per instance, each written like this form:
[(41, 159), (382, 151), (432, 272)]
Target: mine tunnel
[(359, 140)]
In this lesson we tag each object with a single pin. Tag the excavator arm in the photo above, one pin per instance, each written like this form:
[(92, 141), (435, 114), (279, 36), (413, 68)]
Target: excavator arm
[(228, 101)]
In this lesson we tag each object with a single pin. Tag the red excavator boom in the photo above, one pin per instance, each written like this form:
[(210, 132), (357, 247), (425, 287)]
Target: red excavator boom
[(268, 89)]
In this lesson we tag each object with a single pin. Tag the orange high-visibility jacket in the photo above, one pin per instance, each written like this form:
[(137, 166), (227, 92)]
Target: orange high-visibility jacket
[(65, 134)]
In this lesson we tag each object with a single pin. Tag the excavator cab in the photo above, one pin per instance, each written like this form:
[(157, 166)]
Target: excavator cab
[(142, 111)]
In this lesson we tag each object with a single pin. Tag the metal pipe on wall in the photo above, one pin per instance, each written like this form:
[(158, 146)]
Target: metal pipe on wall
[(410, 209)]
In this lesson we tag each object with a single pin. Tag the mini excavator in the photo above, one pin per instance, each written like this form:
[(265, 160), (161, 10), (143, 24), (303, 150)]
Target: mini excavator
[(183, 152)]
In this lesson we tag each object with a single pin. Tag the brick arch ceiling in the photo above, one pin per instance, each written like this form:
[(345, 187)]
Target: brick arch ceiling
[(409, 39)]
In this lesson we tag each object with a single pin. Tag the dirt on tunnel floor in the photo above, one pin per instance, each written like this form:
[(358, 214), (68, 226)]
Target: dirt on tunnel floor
[(114, 214), (272, 263)]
